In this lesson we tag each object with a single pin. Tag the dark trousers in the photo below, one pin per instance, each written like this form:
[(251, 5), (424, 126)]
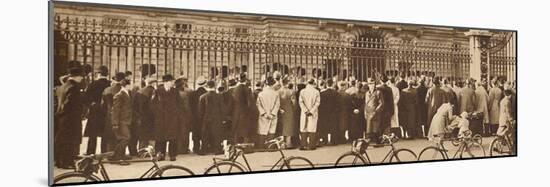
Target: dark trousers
[(133, 141), (172, 147), (122, 135), (197, 137), (338, 137), (183, 142), (212, 141), (92, 145)]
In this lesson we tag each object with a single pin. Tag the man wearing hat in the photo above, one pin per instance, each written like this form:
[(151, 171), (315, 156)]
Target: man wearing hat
[(96, 114), (121, 120), (328, 112), (309, 101), (209, 110), (344, 113), (268, 104), (196, 128), (69, 112), (242, 102), (373, 110), (185, 116), (166, 113), (145, 128), (107, 104), (388, 108)]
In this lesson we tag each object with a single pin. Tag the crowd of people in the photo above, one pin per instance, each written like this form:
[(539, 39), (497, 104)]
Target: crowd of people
[(168, 114)]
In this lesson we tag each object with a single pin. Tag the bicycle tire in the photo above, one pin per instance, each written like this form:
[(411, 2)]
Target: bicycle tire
[(470, 149), (166, 171), (357, 160), (289, 165), (478, 138), (497, 148), (234, 168), (75, 174), (436, 154), (411, 157)]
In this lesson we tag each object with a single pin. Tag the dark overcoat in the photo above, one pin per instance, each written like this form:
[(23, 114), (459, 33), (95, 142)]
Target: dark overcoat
[(242, 101), (69, 113), (96, 114), (329, 111), (166, 112), (107, 104)]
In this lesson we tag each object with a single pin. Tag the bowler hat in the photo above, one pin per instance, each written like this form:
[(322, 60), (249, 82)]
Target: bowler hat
[(119, 76), (210, 84), (76, 71), (167, 77), (270, 81)]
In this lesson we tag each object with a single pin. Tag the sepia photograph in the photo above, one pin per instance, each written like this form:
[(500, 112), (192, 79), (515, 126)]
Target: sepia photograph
[(146, 93)]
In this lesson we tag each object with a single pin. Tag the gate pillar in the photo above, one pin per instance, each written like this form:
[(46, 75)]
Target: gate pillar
[(479, 42)]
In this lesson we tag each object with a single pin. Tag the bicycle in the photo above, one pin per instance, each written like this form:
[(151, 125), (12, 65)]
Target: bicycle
[(359, 156), (229, 164), (503, 145), (467, 145), (89, 165)]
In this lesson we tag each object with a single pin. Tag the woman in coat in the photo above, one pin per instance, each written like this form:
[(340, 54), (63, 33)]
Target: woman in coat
[(441, 119), (286, 113), (505, 116), (357, 119), (495, 94)]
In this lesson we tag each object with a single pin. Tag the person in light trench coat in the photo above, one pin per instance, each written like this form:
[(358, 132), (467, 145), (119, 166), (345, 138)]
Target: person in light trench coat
[(268, 104), (309, 101)]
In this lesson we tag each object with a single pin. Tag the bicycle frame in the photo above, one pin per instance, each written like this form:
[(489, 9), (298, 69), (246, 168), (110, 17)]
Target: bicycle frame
[(240, 153), (388, 155), (105, 176)]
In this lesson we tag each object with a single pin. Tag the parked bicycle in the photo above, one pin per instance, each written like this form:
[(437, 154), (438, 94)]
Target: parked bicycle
[(89, 165), (504, 145), (468, 147), (229, 164), (359, 154)]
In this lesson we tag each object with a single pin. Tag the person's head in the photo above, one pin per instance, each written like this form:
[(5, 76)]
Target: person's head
[(102, 71), (411, 83), (436, 81), (242, 78), (270, 81), (322, 84), (232, 82), (342, 85), (150, 81), (330, 83), (464, 115), (311, 82), (258, 85), (128, 74), (371, 84), (119, 76), (384, 79), (168, 80), (76, 74), (508, 93), (181, 83), (392, 80), (285, 82), (125, 83), (210, 85)]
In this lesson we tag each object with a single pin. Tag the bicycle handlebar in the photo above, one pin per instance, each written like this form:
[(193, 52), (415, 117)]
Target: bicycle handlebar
[(279, 141)]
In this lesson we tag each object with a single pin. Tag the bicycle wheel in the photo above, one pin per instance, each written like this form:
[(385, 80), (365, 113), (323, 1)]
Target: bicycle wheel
[(172, 171), (75, 177), (431, 153), (403, 155), (350, 159), (478, 138), (297, 163), (224, 167), (472, 150), (500, 147)]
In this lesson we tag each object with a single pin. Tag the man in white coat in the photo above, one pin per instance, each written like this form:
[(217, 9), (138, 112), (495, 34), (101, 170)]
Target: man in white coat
[(268, 104), (309, 101)]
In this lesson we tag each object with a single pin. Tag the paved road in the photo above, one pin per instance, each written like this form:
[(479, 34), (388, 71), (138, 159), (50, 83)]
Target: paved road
[(322, 157)]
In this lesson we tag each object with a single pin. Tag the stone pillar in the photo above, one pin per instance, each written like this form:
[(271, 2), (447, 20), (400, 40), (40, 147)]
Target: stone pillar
[(479, 42)]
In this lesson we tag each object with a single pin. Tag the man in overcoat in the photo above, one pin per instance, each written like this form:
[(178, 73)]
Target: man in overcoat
[(69, 113), (242, 101), (196, 128), (374, 104), (309, 101), (96, 114), (328, 113), (166, 113), (121, 120), (107, 103), (210, 108), (185, 119), (268, 104)]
